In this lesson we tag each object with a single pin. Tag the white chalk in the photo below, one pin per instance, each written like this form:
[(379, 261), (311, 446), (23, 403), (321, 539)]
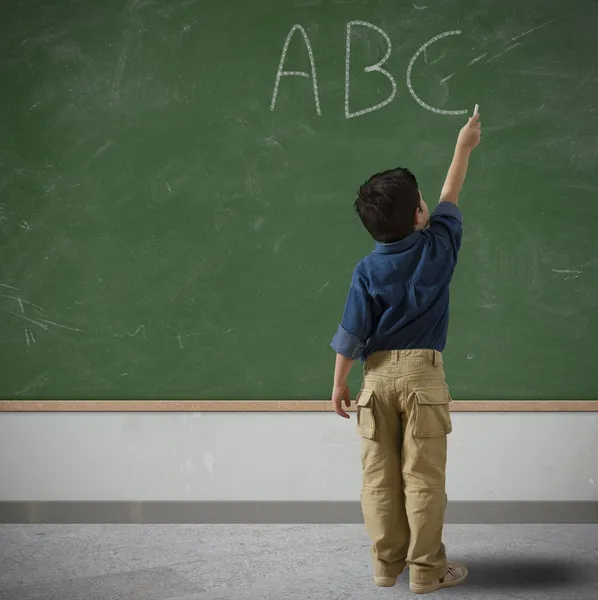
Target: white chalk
[(476, 109)]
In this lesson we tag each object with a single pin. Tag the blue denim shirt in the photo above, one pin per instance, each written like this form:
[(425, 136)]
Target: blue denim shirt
[(399, 294)]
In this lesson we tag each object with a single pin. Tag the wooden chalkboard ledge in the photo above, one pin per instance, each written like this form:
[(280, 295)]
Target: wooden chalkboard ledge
[(275, 406)]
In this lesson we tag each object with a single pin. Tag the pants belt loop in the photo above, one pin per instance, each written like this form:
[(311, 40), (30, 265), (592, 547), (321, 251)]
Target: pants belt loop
[(395, 357), (434, 358)]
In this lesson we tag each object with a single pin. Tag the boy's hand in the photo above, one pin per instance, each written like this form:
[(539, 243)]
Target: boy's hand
[(469, 136), (340, 393)]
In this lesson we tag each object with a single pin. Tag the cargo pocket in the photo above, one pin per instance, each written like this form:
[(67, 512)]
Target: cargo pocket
[(366, 424), (432, 415)]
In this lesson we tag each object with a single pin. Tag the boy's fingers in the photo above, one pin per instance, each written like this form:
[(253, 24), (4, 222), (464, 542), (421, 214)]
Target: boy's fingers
[(339, 411), (338, 407)]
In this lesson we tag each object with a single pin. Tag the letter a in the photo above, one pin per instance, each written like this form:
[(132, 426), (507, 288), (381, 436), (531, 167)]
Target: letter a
[(282, 73), (376, 67)]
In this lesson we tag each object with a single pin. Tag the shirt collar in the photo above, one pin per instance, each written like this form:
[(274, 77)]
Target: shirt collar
[(399, 246)]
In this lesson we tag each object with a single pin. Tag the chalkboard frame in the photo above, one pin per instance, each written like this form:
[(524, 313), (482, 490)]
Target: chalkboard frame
[(473, 406)]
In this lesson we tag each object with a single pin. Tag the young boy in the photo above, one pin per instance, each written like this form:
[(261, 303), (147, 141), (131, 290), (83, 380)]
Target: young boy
[(395, 320)]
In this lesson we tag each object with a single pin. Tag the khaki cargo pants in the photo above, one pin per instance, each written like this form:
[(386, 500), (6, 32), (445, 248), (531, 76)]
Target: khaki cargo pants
[(403, 419)]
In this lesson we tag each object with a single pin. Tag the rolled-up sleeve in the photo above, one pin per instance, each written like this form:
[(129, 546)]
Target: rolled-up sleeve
[(446, 225), (357, 323), (347, 344)]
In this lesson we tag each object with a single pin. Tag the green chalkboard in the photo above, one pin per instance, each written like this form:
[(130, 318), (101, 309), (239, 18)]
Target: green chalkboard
[(172, 229)]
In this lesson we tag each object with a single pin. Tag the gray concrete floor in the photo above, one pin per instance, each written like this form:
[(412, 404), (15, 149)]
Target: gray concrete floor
[(234, 562)]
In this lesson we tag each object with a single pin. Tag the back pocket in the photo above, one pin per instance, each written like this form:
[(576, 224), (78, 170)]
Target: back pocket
[(431, 407), (366, 424)]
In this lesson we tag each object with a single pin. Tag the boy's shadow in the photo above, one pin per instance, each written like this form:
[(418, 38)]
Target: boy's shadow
[(495, 573)]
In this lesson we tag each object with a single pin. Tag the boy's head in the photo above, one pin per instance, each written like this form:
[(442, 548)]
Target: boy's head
[(391, 206)]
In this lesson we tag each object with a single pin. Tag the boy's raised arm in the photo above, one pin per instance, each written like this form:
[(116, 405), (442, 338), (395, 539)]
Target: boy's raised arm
[(469, 138)]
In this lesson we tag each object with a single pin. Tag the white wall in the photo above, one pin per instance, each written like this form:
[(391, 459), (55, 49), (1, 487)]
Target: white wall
[(279, 456)]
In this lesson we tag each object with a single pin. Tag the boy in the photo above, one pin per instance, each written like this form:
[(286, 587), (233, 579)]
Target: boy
[(395, 320)]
